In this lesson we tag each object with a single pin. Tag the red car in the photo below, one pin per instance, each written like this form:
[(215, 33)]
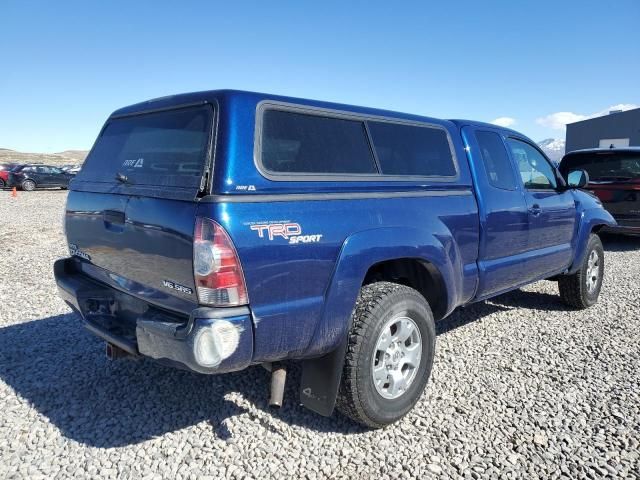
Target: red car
[(4, 173), (614, 176)]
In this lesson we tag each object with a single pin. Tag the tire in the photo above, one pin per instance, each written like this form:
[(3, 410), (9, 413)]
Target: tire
[(379, 305), (2, 184), (581, 289), (28, 185)]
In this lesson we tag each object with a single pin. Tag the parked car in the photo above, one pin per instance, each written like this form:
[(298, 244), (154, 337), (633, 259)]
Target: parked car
[(29, 177), (4, 173), (322, 233), (71, 168), (614, 176)]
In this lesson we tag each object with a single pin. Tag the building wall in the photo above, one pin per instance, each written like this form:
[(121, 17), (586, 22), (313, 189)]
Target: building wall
[(588, 133)]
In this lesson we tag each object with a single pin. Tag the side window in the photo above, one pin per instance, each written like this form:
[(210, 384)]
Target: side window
[(496, 161), (314, 144), (55, 170), (536, 172), (42, 170), (412, 150)]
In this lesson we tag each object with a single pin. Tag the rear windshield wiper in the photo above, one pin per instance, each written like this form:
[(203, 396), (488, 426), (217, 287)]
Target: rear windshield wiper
[(122, 178)]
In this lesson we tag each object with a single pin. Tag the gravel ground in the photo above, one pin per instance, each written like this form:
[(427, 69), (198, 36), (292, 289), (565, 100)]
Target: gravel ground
[(522, 388)]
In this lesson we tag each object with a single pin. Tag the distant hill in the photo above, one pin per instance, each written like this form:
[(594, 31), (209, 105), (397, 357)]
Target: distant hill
[(68, 157), (553, 147), (80, 155)]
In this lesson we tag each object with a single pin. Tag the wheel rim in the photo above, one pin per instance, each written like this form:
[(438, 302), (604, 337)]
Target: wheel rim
[(396, 357), (593, 271), (28, 185)]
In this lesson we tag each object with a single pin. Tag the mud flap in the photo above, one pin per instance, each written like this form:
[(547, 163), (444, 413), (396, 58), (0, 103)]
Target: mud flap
[(320, 380)]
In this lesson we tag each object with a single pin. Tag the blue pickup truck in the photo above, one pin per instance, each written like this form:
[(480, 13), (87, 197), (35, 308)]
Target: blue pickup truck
[(217, 230)]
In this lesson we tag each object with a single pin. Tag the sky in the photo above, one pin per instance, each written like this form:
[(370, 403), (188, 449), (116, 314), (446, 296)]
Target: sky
[(533, 66)]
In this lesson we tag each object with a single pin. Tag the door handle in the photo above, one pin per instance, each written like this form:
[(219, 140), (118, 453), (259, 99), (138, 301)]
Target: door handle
[(113, 216), (535, 210)]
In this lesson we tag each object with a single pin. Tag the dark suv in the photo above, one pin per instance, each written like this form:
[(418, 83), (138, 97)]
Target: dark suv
[(29, 177), (614, 176)]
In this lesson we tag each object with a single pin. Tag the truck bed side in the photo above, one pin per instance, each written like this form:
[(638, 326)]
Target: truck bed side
[(302, 294)]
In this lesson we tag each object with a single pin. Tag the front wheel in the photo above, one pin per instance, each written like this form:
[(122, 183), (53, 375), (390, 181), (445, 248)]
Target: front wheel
[(28, 185), (581, 289), (389, 354)]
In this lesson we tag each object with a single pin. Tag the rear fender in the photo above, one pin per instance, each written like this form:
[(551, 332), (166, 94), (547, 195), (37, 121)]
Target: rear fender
[(321, 376)]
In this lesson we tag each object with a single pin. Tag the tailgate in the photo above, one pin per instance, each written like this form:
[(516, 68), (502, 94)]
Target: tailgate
[(131, 210)]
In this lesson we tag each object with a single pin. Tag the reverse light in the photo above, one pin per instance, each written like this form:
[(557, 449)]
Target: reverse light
[(216, 342), (218, 273)]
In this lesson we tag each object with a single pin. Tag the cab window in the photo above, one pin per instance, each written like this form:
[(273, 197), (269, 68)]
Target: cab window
[(497, 164), (535, 170)]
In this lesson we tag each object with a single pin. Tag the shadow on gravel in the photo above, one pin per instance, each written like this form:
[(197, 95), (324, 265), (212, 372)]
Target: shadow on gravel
[(546, 302), (507, 301), (620, 243), (61, 370), (465, 315)]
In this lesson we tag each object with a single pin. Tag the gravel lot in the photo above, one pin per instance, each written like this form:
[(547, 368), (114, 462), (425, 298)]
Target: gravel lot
[(522, 388)]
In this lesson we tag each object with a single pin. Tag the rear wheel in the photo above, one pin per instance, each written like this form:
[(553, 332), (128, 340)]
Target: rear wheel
[(581, 289), (2, 184), (28, 185), (389, 354)]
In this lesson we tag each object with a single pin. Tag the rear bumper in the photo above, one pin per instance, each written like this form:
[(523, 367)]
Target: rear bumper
[(209, 340)]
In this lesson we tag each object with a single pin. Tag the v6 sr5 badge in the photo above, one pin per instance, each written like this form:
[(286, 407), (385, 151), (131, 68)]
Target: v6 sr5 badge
[(292, 232)]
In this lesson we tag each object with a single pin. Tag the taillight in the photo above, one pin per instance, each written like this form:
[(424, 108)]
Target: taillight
[(217, 269)]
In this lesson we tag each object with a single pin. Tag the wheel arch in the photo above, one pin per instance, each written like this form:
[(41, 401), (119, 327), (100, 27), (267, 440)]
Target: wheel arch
[(591, 221), (417, 273), (387, 252)]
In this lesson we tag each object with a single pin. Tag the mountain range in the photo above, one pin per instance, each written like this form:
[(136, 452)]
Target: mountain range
[(553, 148)]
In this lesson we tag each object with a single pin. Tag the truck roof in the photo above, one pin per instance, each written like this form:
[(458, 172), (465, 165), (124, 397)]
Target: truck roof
[(605, 150), (474, 123), (254, 98)]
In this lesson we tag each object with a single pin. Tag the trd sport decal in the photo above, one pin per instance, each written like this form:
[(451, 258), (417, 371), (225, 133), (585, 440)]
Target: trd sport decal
[(288, 230)]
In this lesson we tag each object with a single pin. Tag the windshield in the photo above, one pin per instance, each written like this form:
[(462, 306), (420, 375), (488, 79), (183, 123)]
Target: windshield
[(604, 166), (167, 148)]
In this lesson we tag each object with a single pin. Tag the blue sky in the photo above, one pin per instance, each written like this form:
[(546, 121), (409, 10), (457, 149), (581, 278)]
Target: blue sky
[(66, 65)]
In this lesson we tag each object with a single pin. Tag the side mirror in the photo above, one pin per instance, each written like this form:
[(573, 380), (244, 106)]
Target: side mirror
[(578, 179)]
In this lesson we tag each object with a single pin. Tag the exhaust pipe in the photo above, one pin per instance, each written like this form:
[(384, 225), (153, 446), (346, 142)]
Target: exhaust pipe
[(114, 352), (278, 379)]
